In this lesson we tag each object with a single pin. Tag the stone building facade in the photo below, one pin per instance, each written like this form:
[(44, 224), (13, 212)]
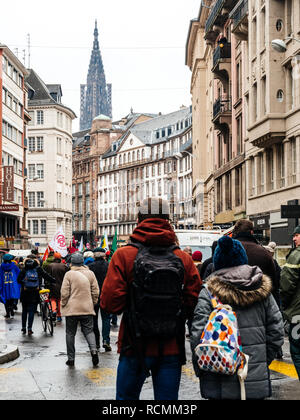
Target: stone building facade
[(49, 162), (152, 158), (251, 94), (13, 126)]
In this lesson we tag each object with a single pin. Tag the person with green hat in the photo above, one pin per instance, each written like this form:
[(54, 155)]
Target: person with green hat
[(290, 297)]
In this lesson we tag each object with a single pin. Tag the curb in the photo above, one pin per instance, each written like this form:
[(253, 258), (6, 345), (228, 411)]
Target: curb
[(9, 354)]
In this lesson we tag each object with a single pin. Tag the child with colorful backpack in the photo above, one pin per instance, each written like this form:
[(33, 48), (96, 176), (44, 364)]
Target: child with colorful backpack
[(237, 328)]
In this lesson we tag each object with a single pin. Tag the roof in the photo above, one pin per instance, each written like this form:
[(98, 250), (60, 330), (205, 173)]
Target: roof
[(41, 94), (146, 131), (102, 117)]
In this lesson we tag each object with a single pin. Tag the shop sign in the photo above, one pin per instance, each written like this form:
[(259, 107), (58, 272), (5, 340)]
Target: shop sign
[(9, 207), (290, 212), (261, 222), (8, 183)]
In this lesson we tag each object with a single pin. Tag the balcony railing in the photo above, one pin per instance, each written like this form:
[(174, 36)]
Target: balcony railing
[(221, 105), (214, 14), (239, 13), (222, 52)]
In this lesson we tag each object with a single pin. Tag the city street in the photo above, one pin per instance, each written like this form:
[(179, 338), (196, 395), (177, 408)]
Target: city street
[(40, 372)]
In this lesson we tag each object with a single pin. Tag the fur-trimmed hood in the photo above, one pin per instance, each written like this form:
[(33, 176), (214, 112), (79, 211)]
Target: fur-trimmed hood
[(240, 286)]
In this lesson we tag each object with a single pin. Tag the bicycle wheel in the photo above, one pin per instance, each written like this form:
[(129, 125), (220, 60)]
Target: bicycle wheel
[(44, 315), (49, 324)]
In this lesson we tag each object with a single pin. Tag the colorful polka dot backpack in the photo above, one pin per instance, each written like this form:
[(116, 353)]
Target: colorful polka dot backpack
[(220, 349)]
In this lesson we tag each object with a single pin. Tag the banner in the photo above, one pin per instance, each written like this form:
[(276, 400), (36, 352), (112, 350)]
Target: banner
[(58, 243), (80, 249), (104, 242)]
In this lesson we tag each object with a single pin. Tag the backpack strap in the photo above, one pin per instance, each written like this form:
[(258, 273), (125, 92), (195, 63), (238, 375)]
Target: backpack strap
[(214, 300)]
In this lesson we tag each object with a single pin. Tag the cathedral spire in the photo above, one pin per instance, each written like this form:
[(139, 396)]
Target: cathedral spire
[(96, 42), (95, 95)]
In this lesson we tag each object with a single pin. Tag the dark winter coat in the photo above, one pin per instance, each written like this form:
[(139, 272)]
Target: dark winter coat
[(260, 323), (99, 268), (259, 256), (290, 285), (120, 275), (57, 270), (32, 296)]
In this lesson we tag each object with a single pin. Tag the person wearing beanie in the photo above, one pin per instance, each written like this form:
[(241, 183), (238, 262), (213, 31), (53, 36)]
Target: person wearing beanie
[(248, 291), (88, 257), (290, 297), (79, 294), (57, 269), (197, 258), (140, 354), (257, 255), (99, 268)]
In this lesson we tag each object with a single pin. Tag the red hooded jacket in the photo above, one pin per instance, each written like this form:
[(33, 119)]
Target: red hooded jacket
[(120, 275)]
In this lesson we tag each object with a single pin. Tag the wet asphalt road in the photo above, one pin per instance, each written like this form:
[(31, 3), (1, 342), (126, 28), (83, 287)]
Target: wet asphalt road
[(40, 373)]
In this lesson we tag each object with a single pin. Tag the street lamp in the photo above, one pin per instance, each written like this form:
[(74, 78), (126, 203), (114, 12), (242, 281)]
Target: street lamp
[(179, 155), (279, 45)]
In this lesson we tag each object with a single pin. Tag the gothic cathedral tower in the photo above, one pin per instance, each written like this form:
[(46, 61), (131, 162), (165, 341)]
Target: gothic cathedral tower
[(95, 96)]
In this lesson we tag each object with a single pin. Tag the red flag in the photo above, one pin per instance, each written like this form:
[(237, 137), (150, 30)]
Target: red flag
[(46, 254)]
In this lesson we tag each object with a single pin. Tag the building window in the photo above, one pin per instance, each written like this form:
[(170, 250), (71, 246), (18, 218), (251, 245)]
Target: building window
[(261, 187), (31, 199), (239, 186), (40, 199), (40, 117), (293, 160), (40, 171), (280, 95), (270, 170), (239, 129), (35, 227), (31, 144), (40, 144), (43, 227), (281, 165), (228, 191)]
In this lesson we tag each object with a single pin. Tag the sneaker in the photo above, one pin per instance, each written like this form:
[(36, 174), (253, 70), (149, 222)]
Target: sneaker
[(7, 316), (70, 363), (59, 319), (23, 331), (30, 332), (95, 358), (106, 346)]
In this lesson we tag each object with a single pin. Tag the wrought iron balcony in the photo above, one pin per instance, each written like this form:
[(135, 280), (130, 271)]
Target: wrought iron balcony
[(239, 17), (221, 52), (214, 14), (221, 106)]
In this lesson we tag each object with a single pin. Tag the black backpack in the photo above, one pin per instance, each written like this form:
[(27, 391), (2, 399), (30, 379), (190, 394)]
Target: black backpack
[(156, 296)]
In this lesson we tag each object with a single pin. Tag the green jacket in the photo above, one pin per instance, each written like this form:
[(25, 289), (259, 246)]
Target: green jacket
[(290, 285)]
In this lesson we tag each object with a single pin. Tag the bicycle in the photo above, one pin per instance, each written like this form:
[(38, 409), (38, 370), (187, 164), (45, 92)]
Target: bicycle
[(46, 311)]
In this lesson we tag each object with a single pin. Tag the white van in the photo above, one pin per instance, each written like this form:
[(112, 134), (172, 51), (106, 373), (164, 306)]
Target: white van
[(198, 240), (20, 252)]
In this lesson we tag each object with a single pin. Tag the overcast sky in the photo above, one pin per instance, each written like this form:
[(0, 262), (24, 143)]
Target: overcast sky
[(142, 45)]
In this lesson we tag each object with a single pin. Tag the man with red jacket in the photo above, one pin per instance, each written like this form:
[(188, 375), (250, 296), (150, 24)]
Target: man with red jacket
[(163, 357)]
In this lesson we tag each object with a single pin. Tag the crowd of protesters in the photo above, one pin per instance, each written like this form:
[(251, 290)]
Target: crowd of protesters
[(240, 273)]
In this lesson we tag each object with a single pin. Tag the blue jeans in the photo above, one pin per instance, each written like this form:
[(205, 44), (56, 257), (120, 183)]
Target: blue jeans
[(166, 377)]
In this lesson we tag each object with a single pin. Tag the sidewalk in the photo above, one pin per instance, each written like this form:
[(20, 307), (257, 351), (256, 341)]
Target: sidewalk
[(8, 352)]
